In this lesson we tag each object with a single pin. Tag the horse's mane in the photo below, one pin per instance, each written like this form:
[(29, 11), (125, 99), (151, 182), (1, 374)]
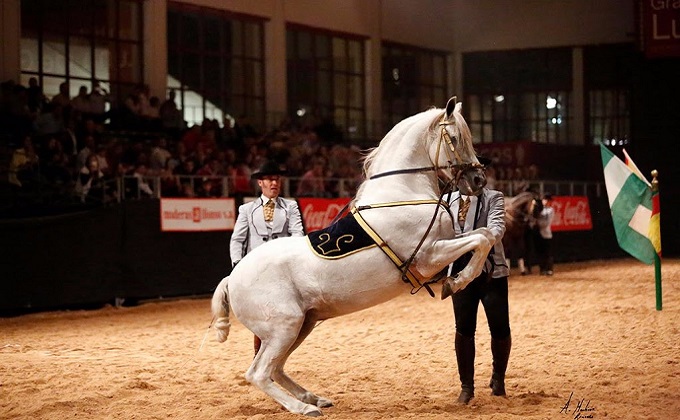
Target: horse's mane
[(403, 127)]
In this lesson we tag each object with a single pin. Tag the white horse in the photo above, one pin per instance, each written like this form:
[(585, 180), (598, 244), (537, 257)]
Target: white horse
[(280, 290)]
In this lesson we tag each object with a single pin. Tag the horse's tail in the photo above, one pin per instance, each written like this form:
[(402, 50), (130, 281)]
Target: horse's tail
[(220, 310)]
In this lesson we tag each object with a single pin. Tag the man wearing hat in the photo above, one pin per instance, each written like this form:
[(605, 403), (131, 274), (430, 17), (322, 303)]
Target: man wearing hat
[(266, 218), (486, 209)]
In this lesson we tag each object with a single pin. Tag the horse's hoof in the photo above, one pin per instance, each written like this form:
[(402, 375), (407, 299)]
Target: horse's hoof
[(312, 411), (449, 287), (446, 291), (324, 403)]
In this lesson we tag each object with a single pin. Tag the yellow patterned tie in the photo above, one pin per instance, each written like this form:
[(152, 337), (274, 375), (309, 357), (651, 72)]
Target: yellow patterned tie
[(269, 211), (463, 210)]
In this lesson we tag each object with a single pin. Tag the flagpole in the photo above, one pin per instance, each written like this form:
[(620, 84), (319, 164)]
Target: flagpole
[(657, 258)]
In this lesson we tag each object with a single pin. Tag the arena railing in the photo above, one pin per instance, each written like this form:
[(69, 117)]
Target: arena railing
[(136, 187)]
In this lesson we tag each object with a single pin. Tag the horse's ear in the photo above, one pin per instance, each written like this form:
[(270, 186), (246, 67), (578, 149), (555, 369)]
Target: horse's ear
[(452, 106)]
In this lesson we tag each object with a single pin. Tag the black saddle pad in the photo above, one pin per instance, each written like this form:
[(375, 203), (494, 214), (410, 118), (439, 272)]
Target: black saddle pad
[(340, 239)]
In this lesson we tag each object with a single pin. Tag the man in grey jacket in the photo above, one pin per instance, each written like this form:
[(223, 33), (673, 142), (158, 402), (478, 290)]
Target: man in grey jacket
[(490, 288), (266, 218)]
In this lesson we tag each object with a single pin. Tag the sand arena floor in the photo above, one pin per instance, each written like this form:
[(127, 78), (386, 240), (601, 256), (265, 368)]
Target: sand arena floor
[(591, 333)]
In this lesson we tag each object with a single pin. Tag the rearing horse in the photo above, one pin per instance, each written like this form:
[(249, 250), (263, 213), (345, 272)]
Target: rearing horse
[(282, 289)]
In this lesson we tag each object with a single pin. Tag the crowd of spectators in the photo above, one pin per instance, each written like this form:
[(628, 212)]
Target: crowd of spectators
[(88, 149), (84, 148)]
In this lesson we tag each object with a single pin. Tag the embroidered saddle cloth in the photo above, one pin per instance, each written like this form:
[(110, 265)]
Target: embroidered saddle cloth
[(342, 238)]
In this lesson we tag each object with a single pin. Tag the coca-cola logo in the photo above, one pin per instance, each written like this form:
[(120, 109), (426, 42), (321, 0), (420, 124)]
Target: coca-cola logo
[(571, 213), (319, 213)]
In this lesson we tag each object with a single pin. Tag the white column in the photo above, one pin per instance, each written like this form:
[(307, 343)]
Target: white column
[(275, 64), (156, 47)]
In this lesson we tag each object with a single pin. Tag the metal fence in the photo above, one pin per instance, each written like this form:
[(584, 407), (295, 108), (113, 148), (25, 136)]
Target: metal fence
[(134, 187)]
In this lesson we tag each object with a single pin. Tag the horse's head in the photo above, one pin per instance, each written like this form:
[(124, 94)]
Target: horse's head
[(454, 154)]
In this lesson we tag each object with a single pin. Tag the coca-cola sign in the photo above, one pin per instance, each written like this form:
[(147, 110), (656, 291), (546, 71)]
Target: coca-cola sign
[(318, 213), (571, 213)]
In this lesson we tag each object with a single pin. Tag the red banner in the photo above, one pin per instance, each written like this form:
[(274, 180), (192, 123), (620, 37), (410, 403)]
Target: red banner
[(317, 213), (660, 28), (571, 213)]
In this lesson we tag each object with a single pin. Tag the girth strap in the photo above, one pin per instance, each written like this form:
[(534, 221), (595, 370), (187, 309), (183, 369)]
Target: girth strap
[(406, 274)]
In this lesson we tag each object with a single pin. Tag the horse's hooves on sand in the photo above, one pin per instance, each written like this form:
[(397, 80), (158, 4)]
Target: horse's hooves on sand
[(313, 412), (324, 403)]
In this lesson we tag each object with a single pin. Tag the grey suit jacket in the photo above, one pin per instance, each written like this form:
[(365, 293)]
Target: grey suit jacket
[(251, 231), (486, 210)]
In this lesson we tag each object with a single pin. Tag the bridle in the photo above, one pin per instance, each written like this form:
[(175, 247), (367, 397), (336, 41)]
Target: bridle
[(458, 169)]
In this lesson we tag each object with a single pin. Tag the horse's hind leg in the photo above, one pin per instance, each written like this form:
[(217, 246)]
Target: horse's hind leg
[(269, 361), (286, 382)]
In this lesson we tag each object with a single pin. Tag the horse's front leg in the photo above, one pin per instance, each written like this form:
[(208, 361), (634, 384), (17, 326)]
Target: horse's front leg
[(480, 241)]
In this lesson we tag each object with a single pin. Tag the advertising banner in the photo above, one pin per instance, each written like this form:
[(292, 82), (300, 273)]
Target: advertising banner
[(571, 213), (317, 213), (660, 27), (197, 214)]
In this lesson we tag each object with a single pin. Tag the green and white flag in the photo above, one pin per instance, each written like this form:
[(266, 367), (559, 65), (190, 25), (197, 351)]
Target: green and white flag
[(630, 200)]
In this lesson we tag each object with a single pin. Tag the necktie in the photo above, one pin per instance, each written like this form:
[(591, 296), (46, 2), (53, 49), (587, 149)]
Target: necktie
[(269, 211), (463, 210)]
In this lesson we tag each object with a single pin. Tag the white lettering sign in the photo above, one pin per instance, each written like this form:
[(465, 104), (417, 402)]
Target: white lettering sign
[(197, 214)]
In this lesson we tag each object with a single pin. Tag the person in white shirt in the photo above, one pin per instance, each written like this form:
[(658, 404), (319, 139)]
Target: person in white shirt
[(543, 236), (264, 219)]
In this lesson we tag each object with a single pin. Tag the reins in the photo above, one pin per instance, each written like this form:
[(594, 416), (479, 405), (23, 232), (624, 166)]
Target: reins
[(458, 169)]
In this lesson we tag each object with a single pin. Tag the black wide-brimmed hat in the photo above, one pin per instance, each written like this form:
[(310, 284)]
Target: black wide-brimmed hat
[(269, 168), (486, 161)]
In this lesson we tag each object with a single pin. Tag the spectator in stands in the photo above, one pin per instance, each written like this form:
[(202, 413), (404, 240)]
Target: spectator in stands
[(130, 114), (211, 183), (50, 121), (36, 97), (191, 138), (90, 183), (171, 116), (143, 92), (102, 157), (170, 186), (240, 175), (266, 218), (98, 99), (55, 163), (62, 98), (88, 150), (152, 117), (24, 166), (185, 173), (160, 155), (87, 128), (312, 183), (81, 103), (245, 132), (139, 174)]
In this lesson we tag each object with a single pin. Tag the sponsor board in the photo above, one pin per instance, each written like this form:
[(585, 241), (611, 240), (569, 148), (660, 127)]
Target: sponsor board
[(571, 213), (318, 213), (197, 214)]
